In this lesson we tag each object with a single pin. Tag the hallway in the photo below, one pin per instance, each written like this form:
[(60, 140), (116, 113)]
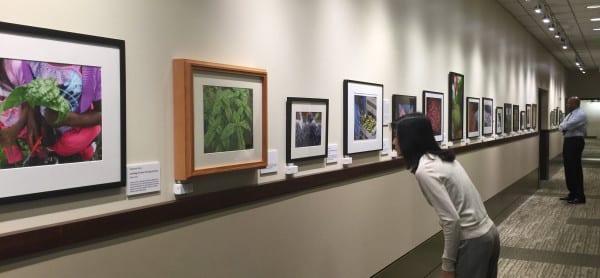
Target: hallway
[(546, 237)]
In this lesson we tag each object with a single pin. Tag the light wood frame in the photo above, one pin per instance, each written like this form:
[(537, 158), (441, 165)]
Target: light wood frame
[(183, 114)]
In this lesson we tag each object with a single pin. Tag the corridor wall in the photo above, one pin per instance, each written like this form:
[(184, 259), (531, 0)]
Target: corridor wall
[(350, 229)]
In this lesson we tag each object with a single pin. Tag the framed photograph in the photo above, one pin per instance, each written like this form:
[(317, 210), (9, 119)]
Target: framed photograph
[(402, 105), (528, 116), (456, 93), (220, 117), (515, 117), (488, 116), (52, 79), (363, 109), (499, 122), (534, 116), (473, 116), (523, 120), (560, 117), (552, 118), (433, 109), (306, 125), (507, 117)]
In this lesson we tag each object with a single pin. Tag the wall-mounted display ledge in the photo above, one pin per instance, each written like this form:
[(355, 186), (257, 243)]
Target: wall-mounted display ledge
[(64, 235)]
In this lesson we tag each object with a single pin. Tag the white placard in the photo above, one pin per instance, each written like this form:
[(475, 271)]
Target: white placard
[(387, 114), (143, 178), (332, 153), (387, 147)]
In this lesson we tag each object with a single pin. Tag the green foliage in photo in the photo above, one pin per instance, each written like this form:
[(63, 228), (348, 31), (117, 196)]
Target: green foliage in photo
[(227, 119)]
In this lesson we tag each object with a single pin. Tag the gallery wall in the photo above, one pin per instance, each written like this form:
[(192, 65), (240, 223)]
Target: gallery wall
[(308, 48)]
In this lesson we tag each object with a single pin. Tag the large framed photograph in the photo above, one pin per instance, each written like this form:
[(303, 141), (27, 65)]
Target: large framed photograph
[(456, 93), (306, 128), (499, 122), (62, 112), (507, 117), (402, 105), (534, 116), (220, 117), (528, 116), (473, 116), (488, 116), (433, 108), (363, 109), (515, 117)]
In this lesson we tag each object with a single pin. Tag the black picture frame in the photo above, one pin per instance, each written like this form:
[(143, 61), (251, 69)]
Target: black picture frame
[(403, 104), (534, 116), (507, 118), (309, 118), (108, 56), (456, 108), (523, 119), (473, 117), (515, 114), (528, 116), (433, 108), (362, 137), (487, 116), (499, 121)]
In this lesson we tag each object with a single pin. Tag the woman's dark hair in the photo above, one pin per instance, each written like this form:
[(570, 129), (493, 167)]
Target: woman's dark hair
[(415, 138)]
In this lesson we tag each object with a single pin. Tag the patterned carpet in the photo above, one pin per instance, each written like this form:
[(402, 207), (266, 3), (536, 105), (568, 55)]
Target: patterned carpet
[(545, 237)]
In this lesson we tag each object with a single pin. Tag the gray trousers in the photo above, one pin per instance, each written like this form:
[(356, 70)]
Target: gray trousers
[(478, 257)]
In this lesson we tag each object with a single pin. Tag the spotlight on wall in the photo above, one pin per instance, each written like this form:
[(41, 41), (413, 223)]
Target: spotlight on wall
[(538, 9)]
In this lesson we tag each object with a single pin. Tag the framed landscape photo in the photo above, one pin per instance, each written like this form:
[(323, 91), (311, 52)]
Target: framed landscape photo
[(473, 116), (433, 108), (534, 116), (306, 128), (402, 105), (456, 96), (363, 111), (220, 117), (35, 95), (515, 117), (488, 116), (499, 122), (507, 117), (528, 116)]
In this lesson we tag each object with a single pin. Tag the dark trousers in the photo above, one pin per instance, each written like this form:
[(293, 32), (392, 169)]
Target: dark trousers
[(572, 150), (478, 257)]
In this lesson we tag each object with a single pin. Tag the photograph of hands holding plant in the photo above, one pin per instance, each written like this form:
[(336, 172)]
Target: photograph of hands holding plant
[(50, 113)]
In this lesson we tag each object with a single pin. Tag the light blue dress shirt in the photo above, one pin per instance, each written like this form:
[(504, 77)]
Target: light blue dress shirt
[(574, 124)]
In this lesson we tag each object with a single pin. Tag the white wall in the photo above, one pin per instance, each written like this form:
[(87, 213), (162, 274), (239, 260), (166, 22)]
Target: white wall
[(592, 110), (308, 48)]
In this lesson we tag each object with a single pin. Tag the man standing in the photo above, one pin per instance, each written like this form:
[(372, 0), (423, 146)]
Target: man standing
[(574, 129)]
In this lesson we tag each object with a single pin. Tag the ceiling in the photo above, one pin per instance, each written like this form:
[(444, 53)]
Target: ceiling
[(572, 18)]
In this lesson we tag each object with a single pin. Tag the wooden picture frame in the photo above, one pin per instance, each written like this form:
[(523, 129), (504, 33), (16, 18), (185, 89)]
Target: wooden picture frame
[(433, 108), (98, 161), (363, 112), (456, 97), (473, 117), (487, 116), (220, 118), (307, 124)]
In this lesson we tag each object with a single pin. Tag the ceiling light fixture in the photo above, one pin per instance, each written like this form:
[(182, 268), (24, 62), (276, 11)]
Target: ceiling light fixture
[(551, 28), (546, 19), (593, 6), (538, 9), (596, 29), (595, 19), (557, 35)]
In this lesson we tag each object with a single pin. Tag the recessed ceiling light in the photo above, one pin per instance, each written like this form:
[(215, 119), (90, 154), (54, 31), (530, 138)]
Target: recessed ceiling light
[(595, 19), (547, 20), (538, 9), (593, 6), (596, 29)]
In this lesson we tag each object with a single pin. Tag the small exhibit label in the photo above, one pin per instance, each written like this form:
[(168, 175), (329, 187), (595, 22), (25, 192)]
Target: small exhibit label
[(332, 153), (143, 178)]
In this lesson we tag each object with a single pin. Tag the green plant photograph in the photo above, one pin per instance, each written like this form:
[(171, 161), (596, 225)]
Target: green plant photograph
[(456, 105), (227, 119)]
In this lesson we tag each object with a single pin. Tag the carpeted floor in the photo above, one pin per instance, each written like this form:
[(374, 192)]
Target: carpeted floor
[(546, 237)]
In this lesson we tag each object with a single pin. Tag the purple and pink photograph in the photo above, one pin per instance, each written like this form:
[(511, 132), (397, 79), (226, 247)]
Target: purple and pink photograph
[(308, 129), (50, 113)]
